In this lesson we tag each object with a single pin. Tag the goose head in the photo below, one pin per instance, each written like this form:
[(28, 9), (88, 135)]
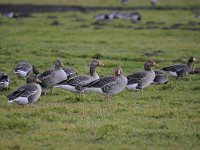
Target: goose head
[(192, 60), (58, 64), (33, 79), (149, 64), (118, 71)]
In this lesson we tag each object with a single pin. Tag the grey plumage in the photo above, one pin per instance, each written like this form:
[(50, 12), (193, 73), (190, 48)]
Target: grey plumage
[(180, 70), (81, 80), (141, 79), (53, 76), (160, 77), (27, 94), (70, 73), (4, 80), (24, 69), (108, 86)]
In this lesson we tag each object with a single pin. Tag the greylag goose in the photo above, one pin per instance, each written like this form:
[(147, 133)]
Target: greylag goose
[(27, 94), (81, 80), (24, 69), (180, 70), (107, 86), (160, 78), (141, 79), (53, 76), (4, 80)]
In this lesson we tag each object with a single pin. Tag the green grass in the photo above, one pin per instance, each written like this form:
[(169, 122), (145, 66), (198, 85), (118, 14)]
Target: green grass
[(165, 117), (169, 3)]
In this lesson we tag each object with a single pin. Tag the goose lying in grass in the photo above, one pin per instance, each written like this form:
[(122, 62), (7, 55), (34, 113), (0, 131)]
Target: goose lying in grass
[(24, 69), (4, 80), (141, 79), (70, 85), (107, 86), (27, 94), (180, 70)]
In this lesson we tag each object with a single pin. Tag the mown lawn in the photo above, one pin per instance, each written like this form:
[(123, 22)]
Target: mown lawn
[(164, 117)]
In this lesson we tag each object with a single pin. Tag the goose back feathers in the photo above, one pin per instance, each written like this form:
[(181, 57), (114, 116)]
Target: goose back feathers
[(180, 70), (53, 76), (141, 79), (26, 94), (24, 69), (81, 80), (107, 85)]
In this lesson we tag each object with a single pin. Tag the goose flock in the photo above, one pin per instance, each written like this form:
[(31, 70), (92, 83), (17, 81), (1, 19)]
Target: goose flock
[(68, 79)]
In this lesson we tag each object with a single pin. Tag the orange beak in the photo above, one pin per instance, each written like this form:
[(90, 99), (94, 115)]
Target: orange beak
[(38, 80), (62, 65), (101, 64), (155, 64)]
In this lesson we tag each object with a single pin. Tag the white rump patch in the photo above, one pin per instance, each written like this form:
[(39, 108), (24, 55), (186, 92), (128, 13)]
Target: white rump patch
[(21, 73), (20, 100), (67, 87), (132, 87), (97, 90), (173, 74)]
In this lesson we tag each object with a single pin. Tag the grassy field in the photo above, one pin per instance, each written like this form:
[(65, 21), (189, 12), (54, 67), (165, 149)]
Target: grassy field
[(164, 117), (177, 3)]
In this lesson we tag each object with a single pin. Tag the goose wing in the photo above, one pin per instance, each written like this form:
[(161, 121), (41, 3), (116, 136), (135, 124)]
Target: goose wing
[(76, 80), (70, 72), (175, 67), (101, 82), (23, 66), (104, 83), (137, 77), (46, 74), (25, 91)]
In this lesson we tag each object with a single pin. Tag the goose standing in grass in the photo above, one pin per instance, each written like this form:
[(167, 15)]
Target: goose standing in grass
[(4, 80), (107, 86), (27, 94), (81, 80), (160, 78), (24, 69), (53, 76), (180, 70), (141, 79)]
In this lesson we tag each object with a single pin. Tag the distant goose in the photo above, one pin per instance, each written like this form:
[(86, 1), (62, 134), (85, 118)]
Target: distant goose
[(124, 2), (27, 94), (160, 78), (180, 70), (4, 80), (102, 17), (135, 17), (154, 2), (107, 86), (10, 15), (81, 80), (141, 79), (53, 76), (24, 69)]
